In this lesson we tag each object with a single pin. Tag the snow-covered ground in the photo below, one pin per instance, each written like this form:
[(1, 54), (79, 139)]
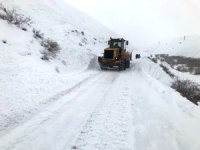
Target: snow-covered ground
[(111, 111), (27, 83), (68, 103)]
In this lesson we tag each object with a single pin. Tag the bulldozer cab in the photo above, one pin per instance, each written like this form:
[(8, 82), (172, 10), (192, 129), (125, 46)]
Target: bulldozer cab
[(118, 43), (115, 56)]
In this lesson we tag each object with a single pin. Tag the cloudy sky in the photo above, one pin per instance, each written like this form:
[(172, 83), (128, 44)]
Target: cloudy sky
[(145, 21)]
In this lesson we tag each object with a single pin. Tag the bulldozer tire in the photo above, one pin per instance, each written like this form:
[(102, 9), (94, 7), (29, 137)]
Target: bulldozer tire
[(128, 64), (102, 68), (122, 65)]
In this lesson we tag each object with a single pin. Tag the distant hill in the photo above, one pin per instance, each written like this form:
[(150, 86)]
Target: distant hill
[(188, 46)]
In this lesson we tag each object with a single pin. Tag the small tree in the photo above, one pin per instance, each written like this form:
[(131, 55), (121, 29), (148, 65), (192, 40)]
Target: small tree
[(187, 89), (37, 34), (51, 48), (13, 17)]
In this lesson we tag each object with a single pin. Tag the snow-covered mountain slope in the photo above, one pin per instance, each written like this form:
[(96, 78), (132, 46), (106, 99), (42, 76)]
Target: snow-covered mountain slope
[(188, 46), (65, 103), (57, 21), (26, 81)]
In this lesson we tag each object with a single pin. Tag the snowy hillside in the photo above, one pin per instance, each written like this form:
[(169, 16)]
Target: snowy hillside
[(62, 23), (53, 96), (188, 46), (27, 81)]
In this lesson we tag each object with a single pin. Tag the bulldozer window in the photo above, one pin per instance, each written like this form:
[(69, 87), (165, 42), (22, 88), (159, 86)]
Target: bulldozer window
[(108, 54), (117, 44), (125, 45)]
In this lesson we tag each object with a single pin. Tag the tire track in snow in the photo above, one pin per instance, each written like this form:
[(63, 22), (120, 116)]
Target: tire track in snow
[(56, 126), (49, 101), (108, 127), (77, 85)]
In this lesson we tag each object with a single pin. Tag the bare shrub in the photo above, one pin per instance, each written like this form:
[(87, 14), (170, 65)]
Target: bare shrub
[(24, 29), (167, 71), (83, 33), (45, 56), (80, 44), (64, 62), (37, 34), (181, 68), (4, 41), (51, 46), (57, 70), (13, 17), (187, 89), (195, 70), (74, 31), (51, 49), (84, 40), (155, 60), (74, 147), (2, 11)]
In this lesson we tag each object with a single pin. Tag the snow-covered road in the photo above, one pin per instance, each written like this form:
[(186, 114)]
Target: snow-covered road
[(112, 111)]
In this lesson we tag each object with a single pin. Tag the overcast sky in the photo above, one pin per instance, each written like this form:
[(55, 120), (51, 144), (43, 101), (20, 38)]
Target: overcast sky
[(145, 21)]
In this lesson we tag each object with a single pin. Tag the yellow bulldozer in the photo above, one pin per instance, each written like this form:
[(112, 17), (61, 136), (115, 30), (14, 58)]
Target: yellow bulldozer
[(116, 55)]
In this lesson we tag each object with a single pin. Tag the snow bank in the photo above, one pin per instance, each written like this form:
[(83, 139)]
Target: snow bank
[(155, 71), (177, 111), (182, 75)]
